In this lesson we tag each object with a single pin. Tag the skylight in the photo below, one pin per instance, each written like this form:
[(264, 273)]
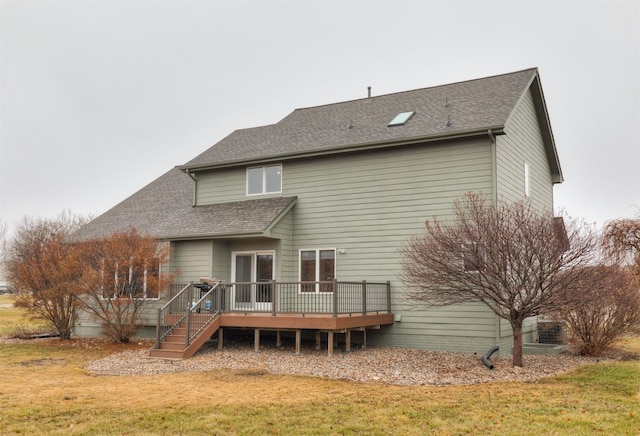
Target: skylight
[(401, 118)]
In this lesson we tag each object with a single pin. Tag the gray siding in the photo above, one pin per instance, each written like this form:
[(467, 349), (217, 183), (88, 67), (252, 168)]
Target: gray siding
[(370, 204), (523, 142), (221, 259), (468, 328), (87, 325), (286, 259), (191, 260), (222, 186)]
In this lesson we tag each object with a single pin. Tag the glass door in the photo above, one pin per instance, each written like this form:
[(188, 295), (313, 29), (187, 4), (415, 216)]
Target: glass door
[(252, 273), (264, 275), (242, 277)]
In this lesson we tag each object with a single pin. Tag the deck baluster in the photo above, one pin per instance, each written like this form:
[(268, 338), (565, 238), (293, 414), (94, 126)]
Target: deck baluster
[(335, 298), (364, 297), (274, 293)]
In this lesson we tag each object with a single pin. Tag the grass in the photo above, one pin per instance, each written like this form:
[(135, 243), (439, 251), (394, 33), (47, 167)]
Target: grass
[(14, 322), (46, 390)]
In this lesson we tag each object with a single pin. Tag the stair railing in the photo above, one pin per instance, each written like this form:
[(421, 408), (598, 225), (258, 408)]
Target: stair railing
[(202, 312), (177, 307)]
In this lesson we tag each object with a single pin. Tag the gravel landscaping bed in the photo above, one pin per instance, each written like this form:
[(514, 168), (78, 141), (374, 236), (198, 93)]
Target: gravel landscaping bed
[(374, 364)]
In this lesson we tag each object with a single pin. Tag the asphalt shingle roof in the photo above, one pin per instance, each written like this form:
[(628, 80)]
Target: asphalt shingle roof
[(163, 209), (439, 111)]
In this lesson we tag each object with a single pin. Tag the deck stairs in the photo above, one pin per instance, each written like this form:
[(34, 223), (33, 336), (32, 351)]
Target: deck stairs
[(175, 345)]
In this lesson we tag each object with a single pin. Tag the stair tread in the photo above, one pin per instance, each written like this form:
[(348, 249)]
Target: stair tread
[(172, 346)]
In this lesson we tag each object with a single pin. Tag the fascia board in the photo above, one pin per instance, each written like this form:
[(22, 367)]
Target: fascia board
[(496, 130), (240, 235)]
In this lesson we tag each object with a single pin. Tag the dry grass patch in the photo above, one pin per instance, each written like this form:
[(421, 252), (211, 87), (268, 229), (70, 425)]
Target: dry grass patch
[(46, 389), (14, 322)]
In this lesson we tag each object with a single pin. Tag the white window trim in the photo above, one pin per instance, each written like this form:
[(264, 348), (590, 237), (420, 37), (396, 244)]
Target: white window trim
[(254, 255), (264, 179), (144, 283), (317, 285)]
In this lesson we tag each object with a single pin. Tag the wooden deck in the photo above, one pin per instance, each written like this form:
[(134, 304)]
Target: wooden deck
[(174, 348), (191, 317), (294, 321)]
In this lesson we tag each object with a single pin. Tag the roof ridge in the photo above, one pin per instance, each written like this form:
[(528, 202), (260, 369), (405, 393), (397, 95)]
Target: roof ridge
[(532, 69)]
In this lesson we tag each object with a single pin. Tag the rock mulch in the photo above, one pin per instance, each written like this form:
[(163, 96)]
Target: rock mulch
[(373, 365)]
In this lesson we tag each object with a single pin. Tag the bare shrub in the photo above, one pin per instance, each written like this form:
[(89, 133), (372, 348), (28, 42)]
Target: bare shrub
[(621, 241), (600, 306), (511, 257), (121, 274), (44, 270)]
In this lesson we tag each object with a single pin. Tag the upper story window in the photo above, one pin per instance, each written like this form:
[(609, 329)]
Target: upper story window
[(264, 180)]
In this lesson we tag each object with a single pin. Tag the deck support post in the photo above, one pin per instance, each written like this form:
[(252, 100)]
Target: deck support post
[(278, 339), (256, 340), (220, 338), (317, 339), (364, 338), (347, 339), (330, 342), (298, 340)]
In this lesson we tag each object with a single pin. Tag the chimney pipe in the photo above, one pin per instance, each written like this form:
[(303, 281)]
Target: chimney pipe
[(368, 92)]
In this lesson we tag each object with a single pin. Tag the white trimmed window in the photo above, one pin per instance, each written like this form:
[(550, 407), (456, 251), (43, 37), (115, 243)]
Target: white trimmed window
[(133, 279), (527, 180), (264, 180), (317, 267)]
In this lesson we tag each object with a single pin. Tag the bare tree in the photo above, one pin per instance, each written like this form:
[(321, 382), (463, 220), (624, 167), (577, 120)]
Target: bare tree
[(621, 241), (510, 257), (600, 306), (121, 273), (3, 239), (44, 270)]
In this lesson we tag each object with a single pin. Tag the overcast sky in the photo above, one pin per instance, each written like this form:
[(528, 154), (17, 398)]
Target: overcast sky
[(99, 98)]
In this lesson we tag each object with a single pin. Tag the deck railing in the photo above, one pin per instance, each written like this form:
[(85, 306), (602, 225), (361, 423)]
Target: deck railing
[(197, 306), (329, 297), (179, 295), (186, 300)]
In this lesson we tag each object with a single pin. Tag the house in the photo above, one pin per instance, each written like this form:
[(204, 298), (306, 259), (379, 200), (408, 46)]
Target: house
[(4, 284), (301, 221)]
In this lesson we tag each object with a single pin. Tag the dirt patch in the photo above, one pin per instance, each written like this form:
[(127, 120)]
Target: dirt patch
[(43, 362)]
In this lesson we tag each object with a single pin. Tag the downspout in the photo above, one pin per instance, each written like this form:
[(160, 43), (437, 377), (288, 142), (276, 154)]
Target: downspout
[(486, 357), (494, 165), (494, 170), (195, 186)]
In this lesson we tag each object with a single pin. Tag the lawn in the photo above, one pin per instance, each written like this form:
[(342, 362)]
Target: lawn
[(14, 322), (45, 389)]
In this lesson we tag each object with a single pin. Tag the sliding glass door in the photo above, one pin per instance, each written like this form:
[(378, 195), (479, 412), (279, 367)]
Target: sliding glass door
[(252, 273)]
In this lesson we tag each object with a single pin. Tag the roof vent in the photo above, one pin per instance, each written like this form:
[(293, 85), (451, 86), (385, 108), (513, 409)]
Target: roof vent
[(401, 118)]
